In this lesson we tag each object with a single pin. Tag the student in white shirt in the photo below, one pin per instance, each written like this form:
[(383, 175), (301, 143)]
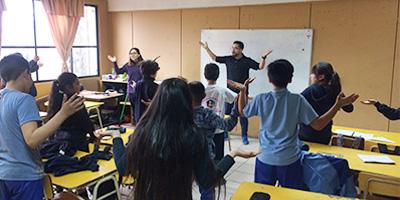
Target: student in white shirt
[(215, 99)]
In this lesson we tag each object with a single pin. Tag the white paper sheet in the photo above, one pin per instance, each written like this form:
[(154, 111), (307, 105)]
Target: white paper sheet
[(376, 159)]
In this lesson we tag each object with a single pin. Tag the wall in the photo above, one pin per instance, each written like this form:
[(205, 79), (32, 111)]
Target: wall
[(135, 5), (358, 37), (104, 49)]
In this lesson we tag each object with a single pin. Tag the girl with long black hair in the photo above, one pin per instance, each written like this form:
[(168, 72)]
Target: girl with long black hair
[(168, 152)]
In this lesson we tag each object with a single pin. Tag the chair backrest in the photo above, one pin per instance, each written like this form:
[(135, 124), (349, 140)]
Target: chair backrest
[(348, 142), (374, 184), (106, 188), (48, 187), (383, 148)]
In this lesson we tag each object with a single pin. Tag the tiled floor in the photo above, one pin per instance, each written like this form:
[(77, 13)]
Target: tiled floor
[(242, 170)]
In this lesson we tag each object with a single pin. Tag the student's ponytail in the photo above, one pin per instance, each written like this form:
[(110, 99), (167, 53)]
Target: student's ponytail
[(55, 100), (336, 86)]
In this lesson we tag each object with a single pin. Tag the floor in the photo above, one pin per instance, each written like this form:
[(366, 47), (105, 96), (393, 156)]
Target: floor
[(242, 170)]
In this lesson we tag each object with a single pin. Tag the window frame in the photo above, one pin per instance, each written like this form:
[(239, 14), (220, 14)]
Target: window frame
[(36, 47)]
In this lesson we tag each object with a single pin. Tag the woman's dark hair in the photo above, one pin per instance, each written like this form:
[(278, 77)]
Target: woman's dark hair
[(148, 68), (159, 156), (140, 59), (211, 71), (58, 89), (331, 77), (280, 72)]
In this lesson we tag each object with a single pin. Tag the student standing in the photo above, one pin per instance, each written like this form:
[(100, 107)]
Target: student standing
[(322, 94), (146, 88), (209, 121), (237, 67), (133, 70), (21, 171), (388, 112), (215, 99), (168, 152), (281, 111)]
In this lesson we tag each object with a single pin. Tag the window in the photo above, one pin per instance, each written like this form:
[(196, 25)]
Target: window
[(26, 30)]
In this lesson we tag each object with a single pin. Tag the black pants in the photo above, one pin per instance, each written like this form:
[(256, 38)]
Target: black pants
[(219, 146)]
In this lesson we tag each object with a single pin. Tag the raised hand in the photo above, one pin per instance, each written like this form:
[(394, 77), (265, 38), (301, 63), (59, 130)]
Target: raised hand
[(112, 58), (248, 81), (369, 102), (204, 45), (72, 105), (343, 100), (267, 53)]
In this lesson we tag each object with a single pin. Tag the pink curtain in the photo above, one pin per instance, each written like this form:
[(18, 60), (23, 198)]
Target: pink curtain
[(2, 8), (64, 16)]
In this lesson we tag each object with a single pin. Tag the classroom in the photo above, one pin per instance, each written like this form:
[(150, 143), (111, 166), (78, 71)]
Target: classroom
[(208, 100)]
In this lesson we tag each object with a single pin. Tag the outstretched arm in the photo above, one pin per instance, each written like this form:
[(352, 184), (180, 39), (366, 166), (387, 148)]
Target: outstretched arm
[(210, 53)]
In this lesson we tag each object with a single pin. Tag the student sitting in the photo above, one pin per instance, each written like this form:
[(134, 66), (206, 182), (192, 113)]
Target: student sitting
[(322, 94), (388, 112), (21, 172), (146, 88), (215, 99), (2, 83), (76, 127), (209, 122), (168, 152), (281, 111)]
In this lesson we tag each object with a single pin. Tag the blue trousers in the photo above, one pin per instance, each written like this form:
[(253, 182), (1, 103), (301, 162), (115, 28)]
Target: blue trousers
[(244, 122), (289, 176), (16, 190)]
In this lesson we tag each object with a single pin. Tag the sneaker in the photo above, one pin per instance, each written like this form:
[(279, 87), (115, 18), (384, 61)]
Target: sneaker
[(245, 141)]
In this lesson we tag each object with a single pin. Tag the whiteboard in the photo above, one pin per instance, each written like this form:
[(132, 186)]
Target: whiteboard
[(295, 45)]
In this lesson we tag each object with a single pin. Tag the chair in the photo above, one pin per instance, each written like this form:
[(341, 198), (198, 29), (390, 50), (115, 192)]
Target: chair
[(348, 142), (98, 115), (374, 184), (105, 188), (383, 148), (47, 189)]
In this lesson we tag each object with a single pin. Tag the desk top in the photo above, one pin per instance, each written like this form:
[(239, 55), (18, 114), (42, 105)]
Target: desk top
[(82, 178), (99, 96), (88, 104), (246, 189), (393, 136), (355, 162)]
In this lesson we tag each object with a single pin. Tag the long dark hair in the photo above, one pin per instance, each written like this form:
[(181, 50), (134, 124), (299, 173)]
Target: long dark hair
[(332, 78), (58, 89), (133, 62), (159, 156)]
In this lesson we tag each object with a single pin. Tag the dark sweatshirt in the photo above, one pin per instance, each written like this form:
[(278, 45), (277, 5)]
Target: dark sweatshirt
[(145, 90), (388, 112), (75, 129), (320, 99)]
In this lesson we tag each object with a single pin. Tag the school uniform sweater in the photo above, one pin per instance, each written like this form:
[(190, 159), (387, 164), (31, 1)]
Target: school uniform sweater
[(320, 99), (388, 112)]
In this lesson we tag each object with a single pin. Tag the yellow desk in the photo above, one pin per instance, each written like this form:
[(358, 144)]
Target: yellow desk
[(395, 137), (246, 189), (88, 104), (85, 178), (124, 136), (355, 162)]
